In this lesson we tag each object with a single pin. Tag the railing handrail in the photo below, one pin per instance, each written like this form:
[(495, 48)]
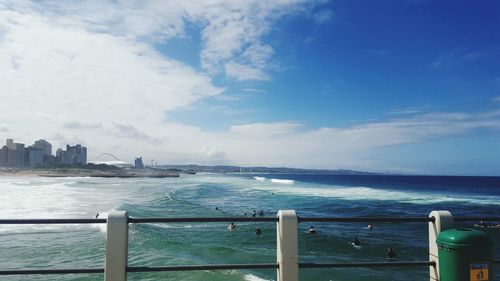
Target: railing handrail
[(52, 221), (201, 219), (436, 218), (239, 219), (304, 265)]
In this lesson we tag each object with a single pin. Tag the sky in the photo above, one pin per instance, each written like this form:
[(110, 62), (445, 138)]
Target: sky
[(398, 86)]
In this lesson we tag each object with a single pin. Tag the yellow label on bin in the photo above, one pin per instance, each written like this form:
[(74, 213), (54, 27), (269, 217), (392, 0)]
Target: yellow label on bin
[(479, 271)]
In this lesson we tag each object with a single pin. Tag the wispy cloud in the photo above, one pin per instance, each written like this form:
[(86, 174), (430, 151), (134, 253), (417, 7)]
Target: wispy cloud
[(74, 125), (4, 129), (254, 90), (132, 132), (323, 16), (454, 58), (265, 130)]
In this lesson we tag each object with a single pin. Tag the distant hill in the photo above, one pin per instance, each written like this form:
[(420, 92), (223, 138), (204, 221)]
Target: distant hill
[(270, 170)]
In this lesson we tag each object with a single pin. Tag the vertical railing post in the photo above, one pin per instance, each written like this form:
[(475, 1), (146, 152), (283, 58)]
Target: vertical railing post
[(287, 246), (115, 268), (442, 220)]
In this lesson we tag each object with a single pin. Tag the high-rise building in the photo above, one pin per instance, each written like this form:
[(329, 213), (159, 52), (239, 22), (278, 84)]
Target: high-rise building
[(15, 154), (138, 163), (10, 144), (34, 157), (4, 152), (43, 145), (73, 155)]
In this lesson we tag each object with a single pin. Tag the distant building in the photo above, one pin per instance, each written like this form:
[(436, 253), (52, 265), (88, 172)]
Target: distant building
[(15, 154), (3, 156), (43, 145), (138, 163), (73, 155), (34, 157)]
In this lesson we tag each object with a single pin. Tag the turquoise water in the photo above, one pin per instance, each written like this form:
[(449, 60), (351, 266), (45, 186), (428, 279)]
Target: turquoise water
[(82, 246)]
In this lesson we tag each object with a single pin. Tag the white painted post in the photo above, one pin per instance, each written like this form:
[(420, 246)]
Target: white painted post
[(115, 268), (443, 220), (287, 246)]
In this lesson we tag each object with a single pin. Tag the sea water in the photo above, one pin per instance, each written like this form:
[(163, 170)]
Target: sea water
[(214, 195)]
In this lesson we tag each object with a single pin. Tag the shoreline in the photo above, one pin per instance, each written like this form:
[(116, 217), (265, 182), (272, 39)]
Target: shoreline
[(56, 173)]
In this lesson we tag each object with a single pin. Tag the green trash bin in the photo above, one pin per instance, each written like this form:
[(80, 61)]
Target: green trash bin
[(465, 255)]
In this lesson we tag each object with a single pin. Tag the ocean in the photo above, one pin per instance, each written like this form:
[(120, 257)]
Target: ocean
[(82, 246)]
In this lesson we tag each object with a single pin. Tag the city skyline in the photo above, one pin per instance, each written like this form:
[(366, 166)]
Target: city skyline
[(398, 86)]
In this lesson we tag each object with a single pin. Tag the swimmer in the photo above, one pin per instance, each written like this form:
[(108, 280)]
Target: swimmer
[(356, 242), (311, 230), (258, 231), (390, 254), (231, 226)]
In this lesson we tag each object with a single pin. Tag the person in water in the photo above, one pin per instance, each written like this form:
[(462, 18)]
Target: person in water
[(96, 216), (231, 226), (258, 231), (390, 254), (370, 226), (261, 213), (356, 242), (254, 213), (311, 230)]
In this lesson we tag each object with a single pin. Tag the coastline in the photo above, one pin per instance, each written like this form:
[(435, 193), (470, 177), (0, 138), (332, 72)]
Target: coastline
[(75, 172)]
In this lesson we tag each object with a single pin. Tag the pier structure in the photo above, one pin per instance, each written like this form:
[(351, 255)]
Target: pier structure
[(287, 255)]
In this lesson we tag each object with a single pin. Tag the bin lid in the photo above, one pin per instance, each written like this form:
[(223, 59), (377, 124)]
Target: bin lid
[(463, 237)]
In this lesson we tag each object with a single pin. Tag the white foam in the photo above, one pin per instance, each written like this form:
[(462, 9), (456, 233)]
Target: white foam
[(367, 193), (251, 277), (281, 181), (259, 178)]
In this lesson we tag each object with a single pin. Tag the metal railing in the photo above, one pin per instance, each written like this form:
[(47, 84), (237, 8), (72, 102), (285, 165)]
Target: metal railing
[(287, 265)]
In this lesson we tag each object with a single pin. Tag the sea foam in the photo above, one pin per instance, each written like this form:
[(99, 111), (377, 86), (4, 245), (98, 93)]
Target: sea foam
[(283, 181)]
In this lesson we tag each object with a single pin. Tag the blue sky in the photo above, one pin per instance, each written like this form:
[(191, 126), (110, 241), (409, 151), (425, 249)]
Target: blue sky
[(396, 86)]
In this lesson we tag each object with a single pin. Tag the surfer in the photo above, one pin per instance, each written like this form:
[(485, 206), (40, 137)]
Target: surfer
[(254, 213), (356, 242), (258, 231), (96, 216), (370, 226), (231, 226), (390, 254), (311, 230)]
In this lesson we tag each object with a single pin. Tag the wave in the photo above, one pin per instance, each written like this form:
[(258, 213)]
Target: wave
[(259, 178), (251, 277), (371, 194), (283, 181)]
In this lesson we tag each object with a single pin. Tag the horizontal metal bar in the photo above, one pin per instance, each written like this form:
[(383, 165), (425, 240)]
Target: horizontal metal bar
[(462, 219), (52, 221), (50, 271), (221, 219), (367, 264), (243, 219), (366, 219), (202, 267)]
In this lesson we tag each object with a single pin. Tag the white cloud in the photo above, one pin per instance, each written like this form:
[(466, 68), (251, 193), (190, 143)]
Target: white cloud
[(323, 16), (265, 130), (74, 125), (454, 58)]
